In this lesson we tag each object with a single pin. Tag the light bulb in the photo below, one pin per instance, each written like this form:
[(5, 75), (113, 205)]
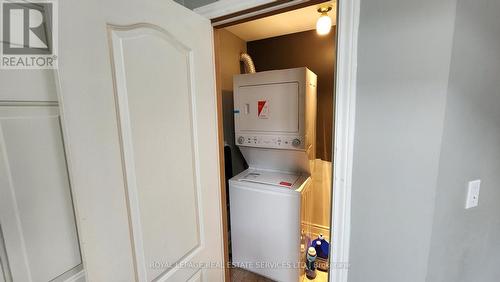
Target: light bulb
[(324, 24)]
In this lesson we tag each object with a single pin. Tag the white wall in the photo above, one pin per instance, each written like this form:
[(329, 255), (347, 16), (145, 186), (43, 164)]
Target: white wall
[(403, 64), (465, 244), (426, 125), (229, 47)]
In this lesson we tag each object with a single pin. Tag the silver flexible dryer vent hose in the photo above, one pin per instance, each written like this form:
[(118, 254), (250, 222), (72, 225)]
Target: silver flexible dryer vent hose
[(248, 62)]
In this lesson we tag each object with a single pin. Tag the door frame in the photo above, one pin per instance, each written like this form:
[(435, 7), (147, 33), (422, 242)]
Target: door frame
[(345, 112)]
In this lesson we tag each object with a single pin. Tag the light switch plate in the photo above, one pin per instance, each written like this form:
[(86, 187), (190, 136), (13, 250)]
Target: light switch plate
[(472, 199)]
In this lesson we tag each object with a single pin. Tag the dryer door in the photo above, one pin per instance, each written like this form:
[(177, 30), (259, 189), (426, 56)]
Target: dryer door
[(268, 108)]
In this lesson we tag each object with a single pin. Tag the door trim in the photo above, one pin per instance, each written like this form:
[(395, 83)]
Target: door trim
[(220, 143), (226, 7), (345, 115), (345, 112), (228, 12)]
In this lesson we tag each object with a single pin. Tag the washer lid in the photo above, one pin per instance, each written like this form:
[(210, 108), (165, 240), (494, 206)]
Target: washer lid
[(270, 177)]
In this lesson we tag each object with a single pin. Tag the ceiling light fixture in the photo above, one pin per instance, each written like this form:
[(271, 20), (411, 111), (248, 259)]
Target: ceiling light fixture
[(324, 23)]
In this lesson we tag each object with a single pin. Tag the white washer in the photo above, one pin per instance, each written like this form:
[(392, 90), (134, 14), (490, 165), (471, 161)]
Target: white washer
[(265, 222), (275, 129)]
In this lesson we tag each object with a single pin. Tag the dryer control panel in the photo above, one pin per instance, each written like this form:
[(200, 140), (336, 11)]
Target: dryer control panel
[(271, 141)]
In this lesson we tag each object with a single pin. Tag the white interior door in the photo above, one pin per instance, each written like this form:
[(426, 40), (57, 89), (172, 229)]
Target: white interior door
[(36, 211), (139, 110), (38, 232)]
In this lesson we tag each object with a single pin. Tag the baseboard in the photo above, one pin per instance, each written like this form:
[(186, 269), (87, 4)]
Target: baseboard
[(317, 229), (78, 277)]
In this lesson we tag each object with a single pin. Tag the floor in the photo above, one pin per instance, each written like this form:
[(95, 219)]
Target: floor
[(242, 275), (321, 276)]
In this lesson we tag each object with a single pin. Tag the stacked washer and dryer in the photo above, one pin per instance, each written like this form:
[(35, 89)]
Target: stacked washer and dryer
[(275, 130)]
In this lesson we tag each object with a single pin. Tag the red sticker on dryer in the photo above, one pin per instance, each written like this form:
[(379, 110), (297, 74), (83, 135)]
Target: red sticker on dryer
[(284, 183), (262, 109)]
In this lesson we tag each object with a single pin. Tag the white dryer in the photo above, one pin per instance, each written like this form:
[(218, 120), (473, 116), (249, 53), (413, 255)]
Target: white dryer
[(275, 121)]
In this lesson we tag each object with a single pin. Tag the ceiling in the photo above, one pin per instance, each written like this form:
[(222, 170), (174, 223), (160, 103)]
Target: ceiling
[(285, 23)]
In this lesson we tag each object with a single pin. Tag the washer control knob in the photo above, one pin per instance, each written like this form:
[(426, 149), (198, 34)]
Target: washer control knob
[(295, 142), (241, 140)]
